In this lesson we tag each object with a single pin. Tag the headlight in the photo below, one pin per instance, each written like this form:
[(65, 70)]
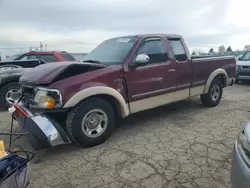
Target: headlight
[(48, 98)]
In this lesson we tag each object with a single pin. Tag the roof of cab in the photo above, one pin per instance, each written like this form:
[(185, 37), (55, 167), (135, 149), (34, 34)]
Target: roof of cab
[(153, 35), (160, 34)]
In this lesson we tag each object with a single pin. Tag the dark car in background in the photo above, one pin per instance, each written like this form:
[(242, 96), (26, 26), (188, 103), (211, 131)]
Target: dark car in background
[(9, 78)]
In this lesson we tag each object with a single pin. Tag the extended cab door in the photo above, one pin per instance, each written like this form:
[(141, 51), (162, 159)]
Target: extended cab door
[(184, 71), (156, 78)]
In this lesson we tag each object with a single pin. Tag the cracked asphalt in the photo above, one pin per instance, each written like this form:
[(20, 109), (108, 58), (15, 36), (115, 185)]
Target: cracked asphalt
[(181, 145)]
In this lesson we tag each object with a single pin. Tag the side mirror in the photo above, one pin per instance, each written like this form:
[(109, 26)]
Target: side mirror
[(141, 60), (240, 58)]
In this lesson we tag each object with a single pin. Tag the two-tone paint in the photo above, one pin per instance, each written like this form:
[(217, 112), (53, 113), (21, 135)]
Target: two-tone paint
[(141, 88)]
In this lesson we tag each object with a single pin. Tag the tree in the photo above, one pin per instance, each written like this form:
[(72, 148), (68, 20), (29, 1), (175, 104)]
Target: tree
[(193, 53), (222, 48), (247, 47), (229, 49), (211, 50)]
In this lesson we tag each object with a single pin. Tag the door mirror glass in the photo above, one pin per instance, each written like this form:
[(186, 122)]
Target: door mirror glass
[(141, 59)]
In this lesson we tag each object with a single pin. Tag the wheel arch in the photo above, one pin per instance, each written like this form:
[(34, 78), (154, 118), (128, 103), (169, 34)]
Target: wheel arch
[(107, 93), (9, 80), (218, 73)]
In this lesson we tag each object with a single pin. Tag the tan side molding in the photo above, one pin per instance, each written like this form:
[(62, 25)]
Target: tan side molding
[(213, 75), (98, 90)]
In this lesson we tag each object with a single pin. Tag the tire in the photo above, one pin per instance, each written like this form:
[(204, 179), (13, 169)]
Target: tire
[(4, 90), (209, 99), (78, 134), (237, 81)]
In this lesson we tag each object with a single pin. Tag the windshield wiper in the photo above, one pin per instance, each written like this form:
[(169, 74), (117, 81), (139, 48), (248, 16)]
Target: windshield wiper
[(92, 61)]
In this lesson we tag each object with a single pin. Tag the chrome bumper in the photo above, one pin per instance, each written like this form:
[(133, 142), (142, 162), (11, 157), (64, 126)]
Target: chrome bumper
[(43, 131)]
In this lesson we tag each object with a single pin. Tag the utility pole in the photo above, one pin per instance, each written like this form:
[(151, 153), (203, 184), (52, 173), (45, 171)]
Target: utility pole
[(41, 46)]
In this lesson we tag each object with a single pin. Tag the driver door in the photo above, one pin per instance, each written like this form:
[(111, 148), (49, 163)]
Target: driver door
[(155, 78)]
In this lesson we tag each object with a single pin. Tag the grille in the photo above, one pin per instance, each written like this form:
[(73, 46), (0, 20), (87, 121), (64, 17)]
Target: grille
[(245, 67), (28, 94)]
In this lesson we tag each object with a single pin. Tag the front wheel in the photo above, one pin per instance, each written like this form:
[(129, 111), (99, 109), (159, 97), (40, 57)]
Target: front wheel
[(213, 97), (91, 122)]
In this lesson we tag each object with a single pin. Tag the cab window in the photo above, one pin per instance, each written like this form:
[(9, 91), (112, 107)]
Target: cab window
[(178, 50), (155, 49)]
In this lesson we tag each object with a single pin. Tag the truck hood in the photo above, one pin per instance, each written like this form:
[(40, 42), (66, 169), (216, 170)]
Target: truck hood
[(243, 63), (52, 72)]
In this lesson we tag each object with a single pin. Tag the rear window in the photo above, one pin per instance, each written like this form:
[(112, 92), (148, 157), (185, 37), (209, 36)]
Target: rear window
[(68, 57), (48, 58), (178, 50)]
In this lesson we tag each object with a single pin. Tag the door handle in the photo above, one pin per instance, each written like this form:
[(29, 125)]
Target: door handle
[(171, 70)]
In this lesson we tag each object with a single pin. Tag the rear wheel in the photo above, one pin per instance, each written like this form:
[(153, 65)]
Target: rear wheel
[(91, 122), (9, 94), (213, 97)]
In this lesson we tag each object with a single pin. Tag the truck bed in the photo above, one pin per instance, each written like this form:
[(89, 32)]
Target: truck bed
[(203, 67)]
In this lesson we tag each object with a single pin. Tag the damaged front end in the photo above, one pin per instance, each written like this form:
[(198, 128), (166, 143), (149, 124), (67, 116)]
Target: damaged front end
[(43, 130), (38, 113), (40, 110)]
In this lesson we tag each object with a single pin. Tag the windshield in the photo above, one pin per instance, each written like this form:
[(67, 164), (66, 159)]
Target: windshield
[(68, 57), (246, 56), (112, 51)]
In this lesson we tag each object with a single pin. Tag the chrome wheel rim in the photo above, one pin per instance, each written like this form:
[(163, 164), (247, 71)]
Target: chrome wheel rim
[(215, 92), (94, 123), (11, 96)]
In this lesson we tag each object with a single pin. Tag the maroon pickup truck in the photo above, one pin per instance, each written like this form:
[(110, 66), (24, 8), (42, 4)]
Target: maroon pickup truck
[(80, 101)]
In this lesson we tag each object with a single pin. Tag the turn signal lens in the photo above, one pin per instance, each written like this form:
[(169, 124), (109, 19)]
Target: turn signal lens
[(47, 102)]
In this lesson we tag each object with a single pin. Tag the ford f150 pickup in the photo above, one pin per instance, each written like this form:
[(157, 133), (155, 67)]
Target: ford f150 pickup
[(80, 102)]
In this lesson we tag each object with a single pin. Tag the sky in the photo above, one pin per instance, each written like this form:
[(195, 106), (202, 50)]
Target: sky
[(80, 25)]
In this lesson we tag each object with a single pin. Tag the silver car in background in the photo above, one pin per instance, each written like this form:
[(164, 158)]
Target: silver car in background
[(240, 170), (243, 68)]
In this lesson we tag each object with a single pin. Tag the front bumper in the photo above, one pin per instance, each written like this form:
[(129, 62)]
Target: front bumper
[(43, 131), (243, 75), (240, 172)]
